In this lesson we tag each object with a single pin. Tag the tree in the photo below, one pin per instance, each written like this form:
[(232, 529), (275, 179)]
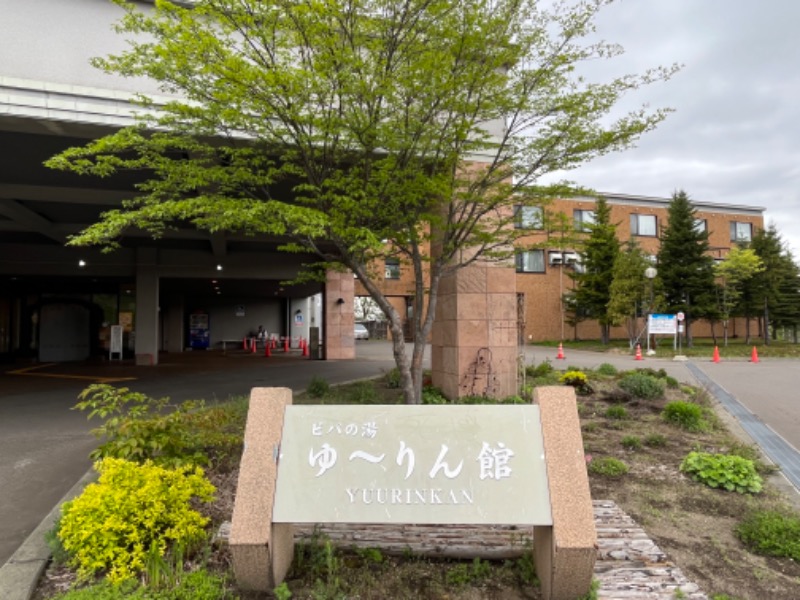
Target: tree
[(732, 274), (630, 290), (779, 273), (599, 253), (341, 125), (684, 266)]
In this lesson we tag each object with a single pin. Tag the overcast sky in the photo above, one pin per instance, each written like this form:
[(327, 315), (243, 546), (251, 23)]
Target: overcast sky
[(735, 134)]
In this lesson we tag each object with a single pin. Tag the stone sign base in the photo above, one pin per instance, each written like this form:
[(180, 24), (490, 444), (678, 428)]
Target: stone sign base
[(564, 552)]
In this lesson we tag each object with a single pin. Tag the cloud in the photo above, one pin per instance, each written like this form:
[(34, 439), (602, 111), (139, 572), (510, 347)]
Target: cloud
[(735, 134)]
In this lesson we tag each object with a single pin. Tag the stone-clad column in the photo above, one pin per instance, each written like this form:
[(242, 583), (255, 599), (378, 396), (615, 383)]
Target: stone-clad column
[(474, 340), (339, 318)]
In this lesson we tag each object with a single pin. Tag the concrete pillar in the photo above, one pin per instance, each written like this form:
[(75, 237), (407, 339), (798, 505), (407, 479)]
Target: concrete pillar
[(147, 306), (474, 340), (338, 337), (174, 332)]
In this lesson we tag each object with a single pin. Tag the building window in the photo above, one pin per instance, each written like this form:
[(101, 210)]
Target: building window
[(583, 219), (644, 225), (528, 217), (741, 232), (530, 261), (392, 268), (700, 225)]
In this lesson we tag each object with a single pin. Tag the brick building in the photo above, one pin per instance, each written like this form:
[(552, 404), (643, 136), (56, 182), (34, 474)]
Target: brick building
[(542, 275)]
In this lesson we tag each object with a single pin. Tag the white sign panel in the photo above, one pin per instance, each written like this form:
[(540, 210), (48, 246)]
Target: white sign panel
[(662, 324), (115, 346), (412, 464)]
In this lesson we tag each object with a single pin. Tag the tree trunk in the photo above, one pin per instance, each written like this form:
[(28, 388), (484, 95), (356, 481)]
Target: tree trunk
[(766, 322)]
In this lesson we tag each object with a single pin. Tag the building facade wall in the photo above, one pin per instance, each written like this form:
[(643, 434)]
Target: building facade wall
[(541, 292)]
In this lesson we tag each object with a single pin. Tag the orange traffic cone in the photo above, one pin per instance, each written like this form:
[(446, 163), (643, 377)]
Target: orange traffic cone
[(267, 352), (715, 358), (253, 345), (754, 356), (560, 355), (244, 343), (305, 348), (286, 344), (274, 343), (638, 352)]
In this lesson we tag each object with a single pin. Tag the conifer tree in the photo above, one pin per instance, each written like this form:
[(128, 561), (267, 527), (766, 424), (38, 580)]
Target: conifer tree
[(684, 266), (600, 251)]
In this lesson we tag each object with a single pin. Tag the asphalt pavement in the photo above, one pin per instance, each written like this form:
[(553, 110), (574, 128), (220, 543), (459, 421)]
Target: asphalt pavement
[(44, 445)]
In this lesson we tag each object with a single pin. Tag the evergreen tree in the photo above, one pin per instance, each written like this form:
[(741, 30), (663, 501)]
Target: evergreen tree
[(684, 266), (772, 287), (593, 281)]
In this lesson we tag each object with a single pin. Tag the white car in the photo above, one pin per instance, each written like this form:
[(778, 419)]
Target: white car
[(361, 332)]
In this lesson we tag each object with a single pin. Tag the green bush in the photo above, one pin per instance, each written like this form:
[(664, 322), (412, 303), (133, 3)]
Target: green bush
[(722, 471), (641, 385), (631, 442), (672, 383), (607, 369), (608, 466), (655, 440), (771, 533), (141, 428), (618, 413), (685, 415), (543, 369), (114, 523), (393, 379), (318, 387), (432, 395)]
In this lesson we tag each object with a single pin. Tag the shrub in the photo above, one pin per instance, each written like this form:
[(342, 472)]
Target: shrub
[(631, 442), (318, 387), (607, 369), (672, 383), (608, 467), (685, 415), (541, 370), (393, 379), (137, 428), (655, 440), (578, 380), (616, 412), (573, 378), (723, 471), (771, 533), (641, 385), (114, 523), (433, 395)]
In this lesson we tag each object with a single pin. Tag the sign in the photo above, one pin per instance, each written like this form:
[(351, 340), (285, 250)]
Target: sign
[(680, 316), (239, 311), (298, 319), (661, 324), (421, 464), (115, 346)]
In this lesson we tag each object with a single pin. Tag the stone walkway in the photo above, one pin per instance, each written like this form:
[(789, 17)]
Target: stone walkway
[(630, 566)]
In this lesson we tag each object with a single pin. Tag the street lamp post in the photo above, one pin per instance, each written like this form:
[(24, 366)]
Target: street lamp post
[(650, 273)]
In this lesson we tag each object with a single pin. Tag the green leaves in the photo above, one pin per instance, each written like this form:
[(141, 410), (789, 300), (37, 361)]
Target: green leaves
[(723, 471)]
